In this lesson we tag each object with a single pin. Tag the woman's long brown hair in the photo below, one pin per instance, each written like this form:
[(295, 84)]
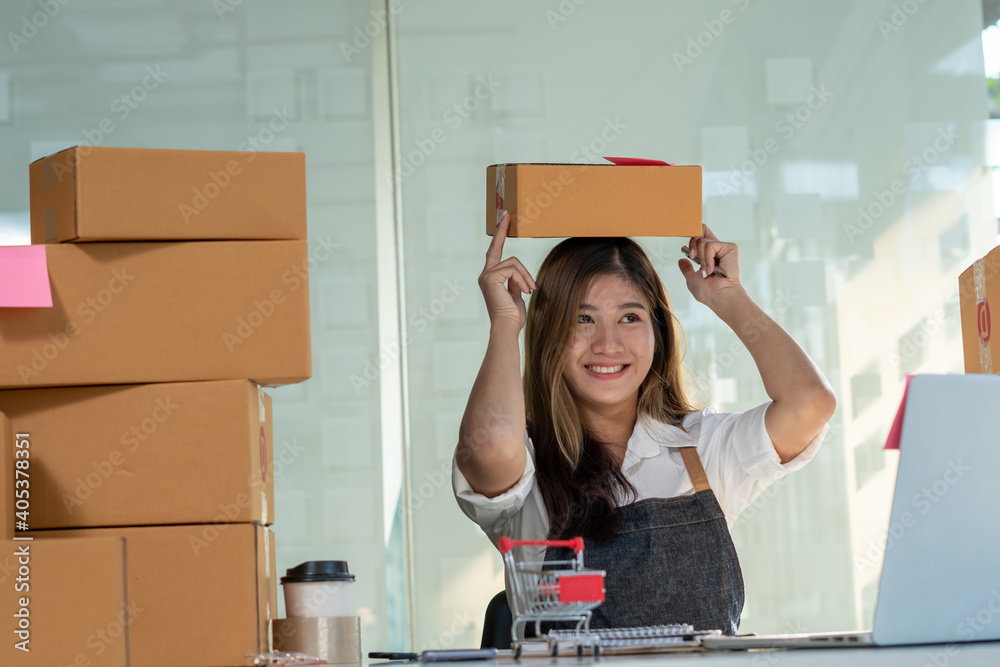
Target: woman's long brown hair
[(579, 479)]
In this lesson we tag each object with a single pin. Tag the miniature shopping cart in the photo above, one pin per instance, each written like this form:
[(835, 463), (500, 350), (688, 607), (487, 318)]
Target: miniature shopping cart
[(563, 591)]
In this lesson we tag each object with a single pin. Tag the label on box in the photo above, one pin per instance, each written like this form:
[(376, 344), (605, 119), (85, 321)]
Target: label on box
[(24, 277), (982, 317), (983, 321), (500, 191)]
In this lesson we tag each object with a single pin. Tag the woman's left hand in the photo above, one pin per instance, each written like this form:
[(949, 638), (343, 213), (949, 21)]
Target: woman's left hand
[(703, 283)]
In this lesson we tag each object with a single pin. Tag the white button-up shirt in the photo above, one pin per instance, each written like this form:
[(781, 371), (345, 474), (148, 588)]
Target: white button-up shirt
[(735, 450)]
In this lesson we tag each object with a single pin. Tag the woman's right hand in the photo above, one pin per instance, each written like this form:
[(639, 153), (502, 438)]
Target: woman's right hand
[(503, 281)]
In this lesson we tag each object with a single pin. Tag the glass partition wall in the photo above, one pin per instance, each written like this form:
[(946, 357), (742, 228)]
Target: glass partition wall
[(843, 146), (247, 75)]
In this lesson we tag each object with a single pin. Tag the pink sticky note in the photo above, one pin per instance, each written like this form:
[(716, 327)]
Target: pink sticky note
[(892, 442), (638, 161), (24, 277)]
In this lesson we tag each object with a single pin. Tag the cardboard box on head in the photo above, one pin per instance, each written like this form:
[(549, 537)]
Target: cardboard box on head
[(152, 454), (90, 193), (127, 313), (563, 200)]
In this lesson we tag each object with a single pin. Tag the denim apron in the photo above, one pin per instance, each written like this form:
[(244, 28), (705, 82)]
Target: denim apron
[(672, 561)]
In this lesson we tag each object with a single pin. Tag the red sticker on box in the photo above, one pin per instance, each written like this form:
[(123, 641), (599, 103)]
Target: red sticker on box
[(983, 321), (638, 162)]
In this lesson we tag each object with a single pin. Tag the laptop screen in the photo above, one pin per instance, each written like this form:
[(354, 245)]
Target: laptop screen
[(941, 574)]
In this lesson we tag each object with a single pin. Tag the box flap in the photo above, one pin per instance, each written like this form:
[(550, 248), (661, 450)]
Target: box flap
[(53, 197)]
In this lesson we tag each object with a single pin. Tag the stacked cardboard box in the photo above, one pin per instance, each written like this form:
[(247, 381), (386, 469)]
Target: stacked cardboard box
[(978, 286), (179, 285)]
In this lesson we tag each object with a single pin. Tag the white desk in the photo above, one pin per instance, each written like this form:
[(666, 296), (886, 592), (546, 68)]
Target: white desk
[(984, 654), (978, 654)]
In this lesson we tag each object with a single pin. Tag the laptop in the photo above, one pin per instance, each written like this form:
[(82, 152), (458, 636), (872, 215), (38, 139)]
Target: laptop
[(940, 578)]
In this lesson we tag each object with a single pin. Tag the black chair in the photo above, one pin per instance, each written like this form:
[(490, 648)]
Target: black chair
[(496, 627)]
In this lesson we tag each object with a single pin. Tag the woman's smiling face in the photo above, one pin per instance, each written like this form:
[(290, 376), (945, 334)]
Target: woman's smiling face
[(612, 347)]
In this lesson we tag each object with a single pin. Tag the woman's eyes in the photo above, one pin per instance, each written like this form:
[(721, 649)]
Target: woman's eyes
[(628, 319)]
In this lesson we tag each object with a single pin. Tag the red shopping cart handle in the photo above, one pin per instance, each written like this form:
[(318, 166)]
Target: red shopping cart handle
[(576, 544)]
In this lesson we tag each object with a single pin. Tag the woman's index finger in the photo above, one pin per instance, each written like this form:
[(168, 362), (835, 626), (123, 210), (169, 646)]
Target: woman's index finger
[(495, 252)]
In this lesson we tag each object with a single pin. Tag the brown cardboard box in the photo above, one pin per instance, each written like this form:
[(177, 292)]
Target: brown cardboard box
[(6, 478), (128, 313), (151, 454), (133, 194), (979, 286), (561, 200), (78, 610), (200, 596)]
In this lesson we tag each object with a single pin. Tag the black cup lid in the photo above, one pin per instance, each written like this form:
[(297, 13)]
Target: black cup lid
[(318, 570)]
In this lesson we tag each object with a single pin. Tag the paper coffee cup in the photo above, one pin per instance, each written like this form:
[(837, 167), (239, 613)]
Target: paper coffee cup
[(318, 588)]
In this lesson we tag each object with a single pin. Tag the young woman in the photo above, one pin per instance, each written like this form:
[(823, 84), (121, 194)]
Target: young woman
[(599, 439)]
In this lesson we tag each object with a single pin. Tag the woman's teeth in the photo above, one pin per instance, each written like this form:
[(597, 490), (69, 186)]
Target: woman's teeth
[(605, 369)]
